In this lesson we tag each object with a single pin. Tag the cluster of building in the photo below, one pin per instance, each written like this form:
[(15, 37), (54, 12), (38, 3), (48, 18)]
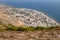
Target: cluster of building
[(30, 17)]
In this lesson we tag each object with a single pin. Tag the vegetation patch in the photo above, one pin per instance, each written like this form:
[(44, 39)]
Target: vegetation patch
[(1, 22), (11, 27), (27, 28)]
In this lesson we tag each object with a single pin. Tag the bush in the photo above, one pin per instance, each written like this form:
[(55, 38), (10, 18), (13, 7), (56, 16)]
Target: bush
[(40, 28), (1, 22), (2, 29), (11, 27), (29, 28), (26, 28), (21, 29), (50, 28)]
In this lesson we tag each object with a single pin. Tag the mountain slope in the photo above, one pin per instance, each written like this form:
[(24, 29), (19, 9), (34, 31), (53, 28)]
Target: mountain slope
[(25, 17), (31, 35)]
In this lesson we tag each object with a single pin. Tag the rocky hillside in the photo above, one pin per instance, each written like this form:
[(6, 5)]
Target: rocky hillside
[(31, 35), (25, 17)]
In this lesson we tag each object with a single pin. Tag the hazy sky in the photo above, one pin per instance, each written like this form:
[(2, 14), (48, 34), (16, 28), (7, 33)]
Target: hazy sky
[(58, 1), (42, 0), (37, 0)]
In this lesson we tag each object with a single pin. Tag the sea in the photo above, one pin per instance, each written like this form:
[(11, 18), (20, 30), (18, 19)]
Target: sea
[(51, 8)]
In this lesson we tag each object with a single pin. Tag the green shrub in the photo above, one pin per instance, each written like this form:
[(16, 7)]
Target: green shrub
[(1, 22), (2, 30), (29, 28), (50, 28), (40, 28), (26, 28), (21, 29), (11, 27)]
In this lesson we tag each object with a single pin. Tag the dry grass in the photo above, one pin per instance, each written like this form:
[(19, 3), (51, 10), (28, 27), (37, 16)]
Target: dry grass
[(53, 34), (39, 33)]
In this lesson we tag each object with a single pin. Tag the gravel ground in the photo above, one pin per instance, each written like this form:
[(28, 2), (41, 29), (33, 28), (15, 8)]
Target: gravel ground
[(31, 35)]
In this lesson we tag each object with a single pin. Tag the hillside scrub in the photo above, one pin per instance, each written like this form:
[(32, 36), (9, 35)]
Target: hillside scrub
[(1, 22), (27, 28)]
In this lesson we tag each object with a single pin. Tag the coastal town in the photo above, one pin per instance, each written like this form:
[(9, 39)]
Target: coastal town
[(34, 21), (28, 17)]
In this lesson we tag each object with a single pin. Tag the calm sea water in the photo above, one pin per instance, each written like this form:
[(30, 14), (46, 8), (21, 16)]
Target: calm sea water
[(50, 8)]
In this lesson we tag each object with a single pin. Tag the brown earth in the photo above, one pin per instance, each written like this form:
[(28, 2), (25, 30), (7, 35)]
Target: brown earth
[(8, 20), (31, 35)]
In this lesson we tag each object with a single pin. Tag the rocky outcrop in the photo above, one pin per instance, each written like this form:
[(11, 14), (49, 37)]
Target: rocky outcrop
[(26, 17)]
